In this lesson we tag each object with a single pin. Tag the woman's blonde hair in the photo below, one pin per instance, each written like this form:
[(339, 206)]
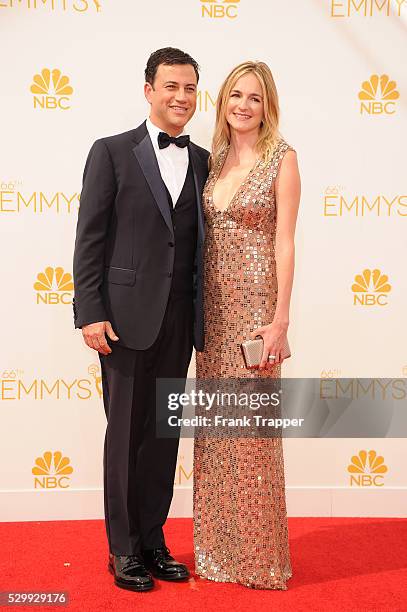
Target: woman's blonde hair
[(268, 133)]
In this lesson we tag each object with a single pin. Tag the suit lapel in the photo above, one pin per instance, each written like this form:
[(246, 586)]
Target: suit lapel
[(146, 157), (199, 181)]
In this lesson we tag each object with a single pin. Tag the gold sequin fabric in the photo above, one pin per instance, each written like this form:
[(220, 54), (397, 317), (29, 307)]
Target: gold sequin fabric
[(240, 517)]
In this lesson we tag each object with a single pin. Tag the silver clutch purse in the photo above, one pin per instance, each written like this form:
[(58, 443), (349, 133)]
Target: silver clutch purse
[(253, 350)]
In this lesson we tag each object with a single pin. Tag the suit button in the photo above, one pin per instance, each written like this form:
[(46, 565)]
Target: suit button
[(169, 274), (171, 244)]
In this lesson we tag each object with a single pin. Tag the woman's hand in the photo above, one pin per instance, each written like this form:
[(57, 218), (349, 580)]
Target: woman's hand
[(274, 337)]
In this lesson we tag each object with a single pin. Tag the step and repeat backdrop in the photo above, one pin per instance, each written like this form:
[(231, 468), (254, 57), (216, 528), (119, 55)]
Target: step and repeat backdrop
[(71, 72)]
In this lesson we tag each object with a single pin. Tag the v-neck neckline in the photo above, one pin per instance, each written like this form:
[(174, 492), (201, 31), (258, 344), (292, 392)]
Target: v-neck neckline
[(231, 201)]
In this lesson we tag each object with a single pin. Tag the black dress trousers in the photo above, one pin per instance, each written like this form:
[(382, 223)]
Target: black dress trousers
[(139, 468)]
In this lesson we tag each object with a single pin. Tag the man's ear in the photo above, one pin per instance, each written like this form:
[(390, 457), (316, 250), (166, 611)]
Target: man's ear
[(148, 88)]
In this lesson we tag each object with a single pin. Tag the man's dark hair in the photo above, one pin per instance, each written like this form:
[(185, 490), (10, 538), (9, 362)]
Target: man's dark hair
[(168, 56)]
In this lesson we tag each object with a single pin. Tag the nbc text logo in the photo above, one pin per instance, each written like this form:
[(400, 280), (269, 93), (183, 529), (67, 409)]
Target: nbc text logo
[(54, 470), (54, 286), (377, 95), (366, 8), (371, 288), (366, 469), (75, 6), (217, 9), (53, 90)]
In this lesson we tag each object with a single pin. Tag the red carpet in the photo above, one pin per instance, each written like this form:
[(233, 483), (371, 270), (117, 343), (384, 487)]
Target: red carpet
[(338, 564)]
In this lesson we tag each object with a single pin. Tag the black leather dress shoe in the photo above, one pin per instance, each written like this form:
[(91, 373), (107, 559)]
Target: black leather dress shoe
[(130, 572), (163, 566)]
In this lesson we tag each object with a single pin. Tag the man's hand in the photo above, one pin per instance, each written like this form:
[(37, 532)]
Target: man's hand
[(94, 336)]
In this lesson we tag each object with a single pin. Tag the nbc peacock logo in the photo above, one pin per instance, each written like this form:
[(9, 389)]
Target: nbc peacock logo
[(219, 9), (51, 90), (52, 471), (371, 288), (378, 95), (367, 469), (54, 286)]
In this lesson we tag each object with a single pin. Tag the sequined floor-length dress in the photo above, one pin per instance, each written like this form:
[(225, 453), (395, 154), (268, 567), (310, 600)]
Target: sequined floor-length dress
[(240, 518)]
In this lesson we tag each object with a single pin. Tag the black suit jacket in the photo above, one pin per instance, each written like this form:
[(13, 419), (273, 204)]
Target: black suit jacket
[(124, 251)]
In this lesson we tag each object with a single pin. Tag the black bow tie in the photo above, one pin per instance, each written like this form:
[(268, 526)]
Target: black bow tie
[(164, 140)]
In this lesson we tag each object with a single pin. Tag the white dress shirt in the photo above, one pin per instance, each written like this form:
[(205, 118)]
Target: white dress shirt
[(172, 162)]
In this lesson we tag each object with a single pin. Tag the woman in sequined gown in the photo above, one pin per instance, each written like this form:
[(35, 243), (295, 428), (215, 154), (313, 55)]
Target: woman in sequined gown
[(251, 201)]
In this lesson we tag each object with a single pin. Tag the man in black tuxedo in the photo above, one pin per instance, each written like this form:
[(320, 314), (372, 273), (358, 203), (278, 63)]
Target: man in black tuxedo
[(138, 299)]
